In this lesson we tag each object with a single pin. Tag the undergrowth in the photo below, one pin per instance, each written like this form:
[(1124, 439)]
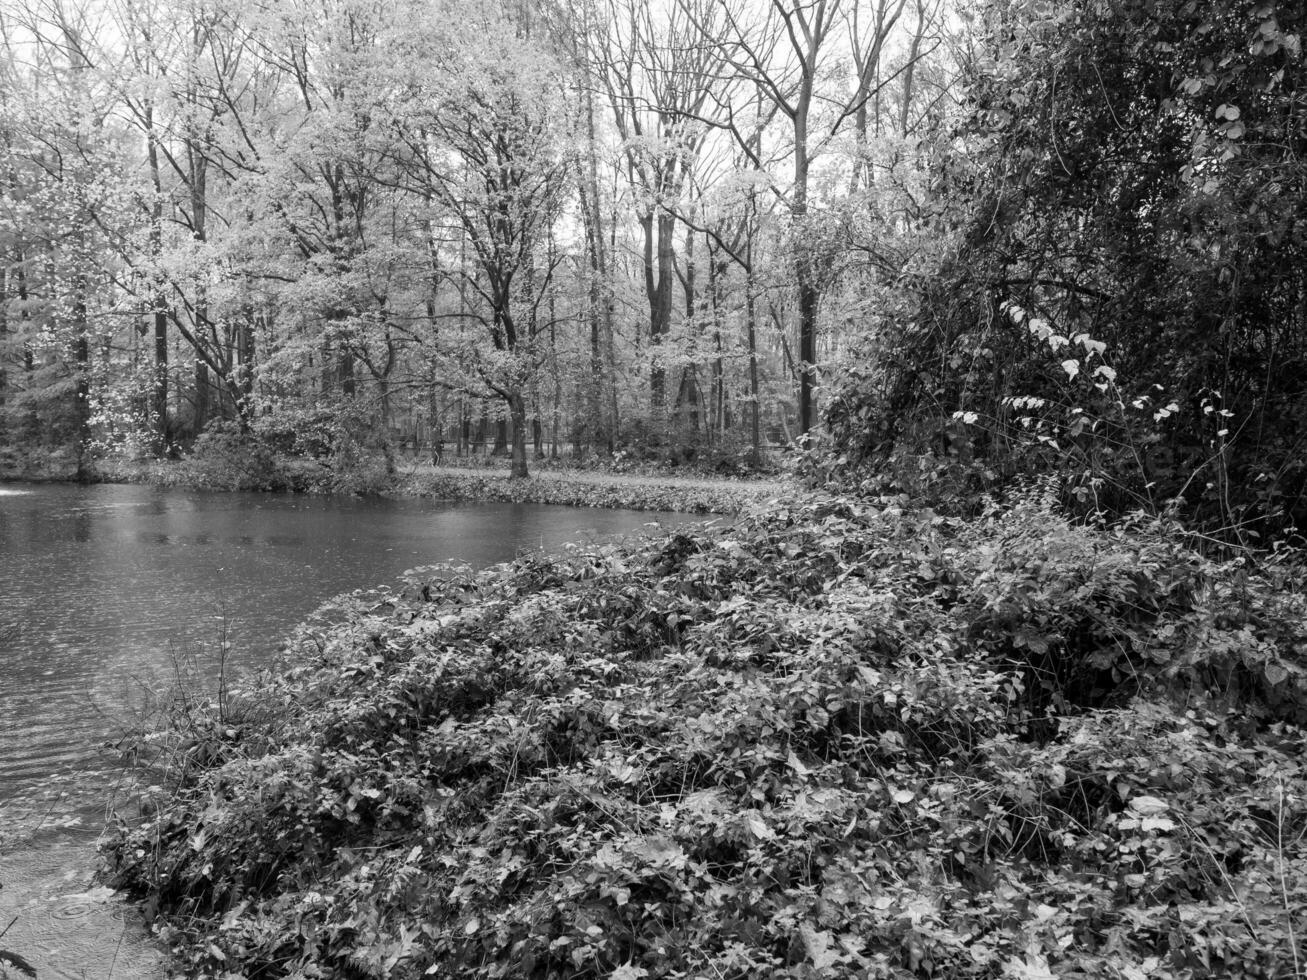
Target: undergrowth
[(240, 464), (836, 739), (650, 493)]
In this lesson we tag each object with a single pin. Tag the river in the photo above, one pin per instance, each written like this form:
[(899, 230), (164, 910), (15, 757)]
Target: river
[(110, 593)]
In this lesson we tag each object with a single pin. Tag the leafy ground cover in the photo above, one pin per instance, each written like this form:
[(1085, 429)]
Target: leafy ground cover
[(592, 489), (246, 467), (834, 739)]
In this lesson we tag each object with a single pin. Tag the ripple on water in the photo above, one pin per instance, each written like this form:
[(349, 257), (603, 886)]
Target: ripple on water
[(67, 927)]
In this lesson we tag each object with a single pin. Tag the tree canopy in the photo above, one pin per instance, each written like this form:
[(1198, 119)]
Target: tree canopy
[(967, 241)]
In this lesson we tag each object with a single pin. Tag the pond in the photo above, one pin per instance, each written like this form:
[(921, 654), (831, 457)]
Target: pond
[(109, 594), (107, 591)]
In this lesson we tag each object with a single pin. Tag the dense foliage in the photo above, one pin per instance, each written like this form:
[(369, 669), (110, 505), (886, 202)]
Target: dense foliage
[(837, 739), (1122, 295), (462, 222)]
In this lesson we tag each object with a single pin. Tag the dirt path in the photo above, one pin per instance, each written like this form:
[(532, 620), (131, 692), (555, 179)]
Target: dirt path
[(760, 488)]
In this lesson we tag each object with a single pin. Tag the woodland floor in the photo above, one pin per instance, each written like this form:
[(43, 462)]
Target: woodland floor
[(762, 488)]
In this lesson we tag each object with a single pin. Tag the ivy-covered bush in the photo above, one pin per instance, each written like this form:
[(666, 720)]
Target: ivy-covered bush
[(835, 739)]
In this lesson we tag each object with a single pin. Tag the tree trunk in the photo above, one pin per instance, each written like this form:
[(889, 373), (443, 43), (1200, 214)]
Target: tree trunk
[(245, 355), (808, 301), (159, 301), (517, 415), (197, 168), (662, 320), (717, 384), (437, 433), (501, 435), (4, 331), (691, 373), (805, 277), (345, 368), (161, 373), (751, 334), (909, 73), (658, 274), (82, 361), (202, 400)]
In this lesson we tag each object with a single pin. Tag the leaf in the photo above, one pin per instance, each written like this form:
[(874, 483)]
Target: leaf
[(758, 828), (1148, 806), (818, 945), (1071, 366), (658, 852), (1033, 967), (1276, 673), (891, 743), (1157, 823), (628, 971)]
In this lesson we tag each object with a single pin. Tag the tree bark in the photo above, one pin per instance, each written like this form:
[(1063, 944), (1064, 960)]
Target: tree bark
[(159, 302), (517, 415), (4, 332), (805, 277), (751, 333)]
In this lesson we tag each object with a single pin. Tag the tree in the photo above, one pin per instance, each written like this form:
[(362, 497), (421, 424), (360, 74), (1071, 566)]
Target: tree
[(484, 128), (60, 213), (658, 82), (1123, 301), (786, 55)]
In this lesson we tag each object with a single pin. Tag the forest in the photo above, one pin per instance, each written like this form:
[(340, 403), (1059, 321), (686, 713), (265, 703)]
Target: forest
[(1005, 679), (437, 226), (963, 242)]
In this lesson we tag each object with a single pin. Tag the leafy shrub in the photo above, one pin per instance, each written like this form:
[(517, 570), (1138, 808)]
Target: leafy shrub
[(341, 438), (226, 458), (834, 739)]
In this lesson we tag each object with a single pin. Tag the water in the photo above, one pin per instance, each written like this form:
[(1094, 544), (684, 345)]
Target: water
[(106, 592), (105, 589)]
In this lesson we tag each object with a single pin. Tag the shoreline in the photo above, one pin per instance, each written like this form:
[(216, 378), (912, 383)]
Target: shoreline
[(581, 489), (636, 752), (560, 487)]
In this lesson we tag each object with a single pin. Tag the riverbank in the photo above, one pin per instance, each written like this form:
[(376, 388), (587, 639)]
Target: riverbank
[(835, 738), (569, 487), (119, 596), (582, 488)]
